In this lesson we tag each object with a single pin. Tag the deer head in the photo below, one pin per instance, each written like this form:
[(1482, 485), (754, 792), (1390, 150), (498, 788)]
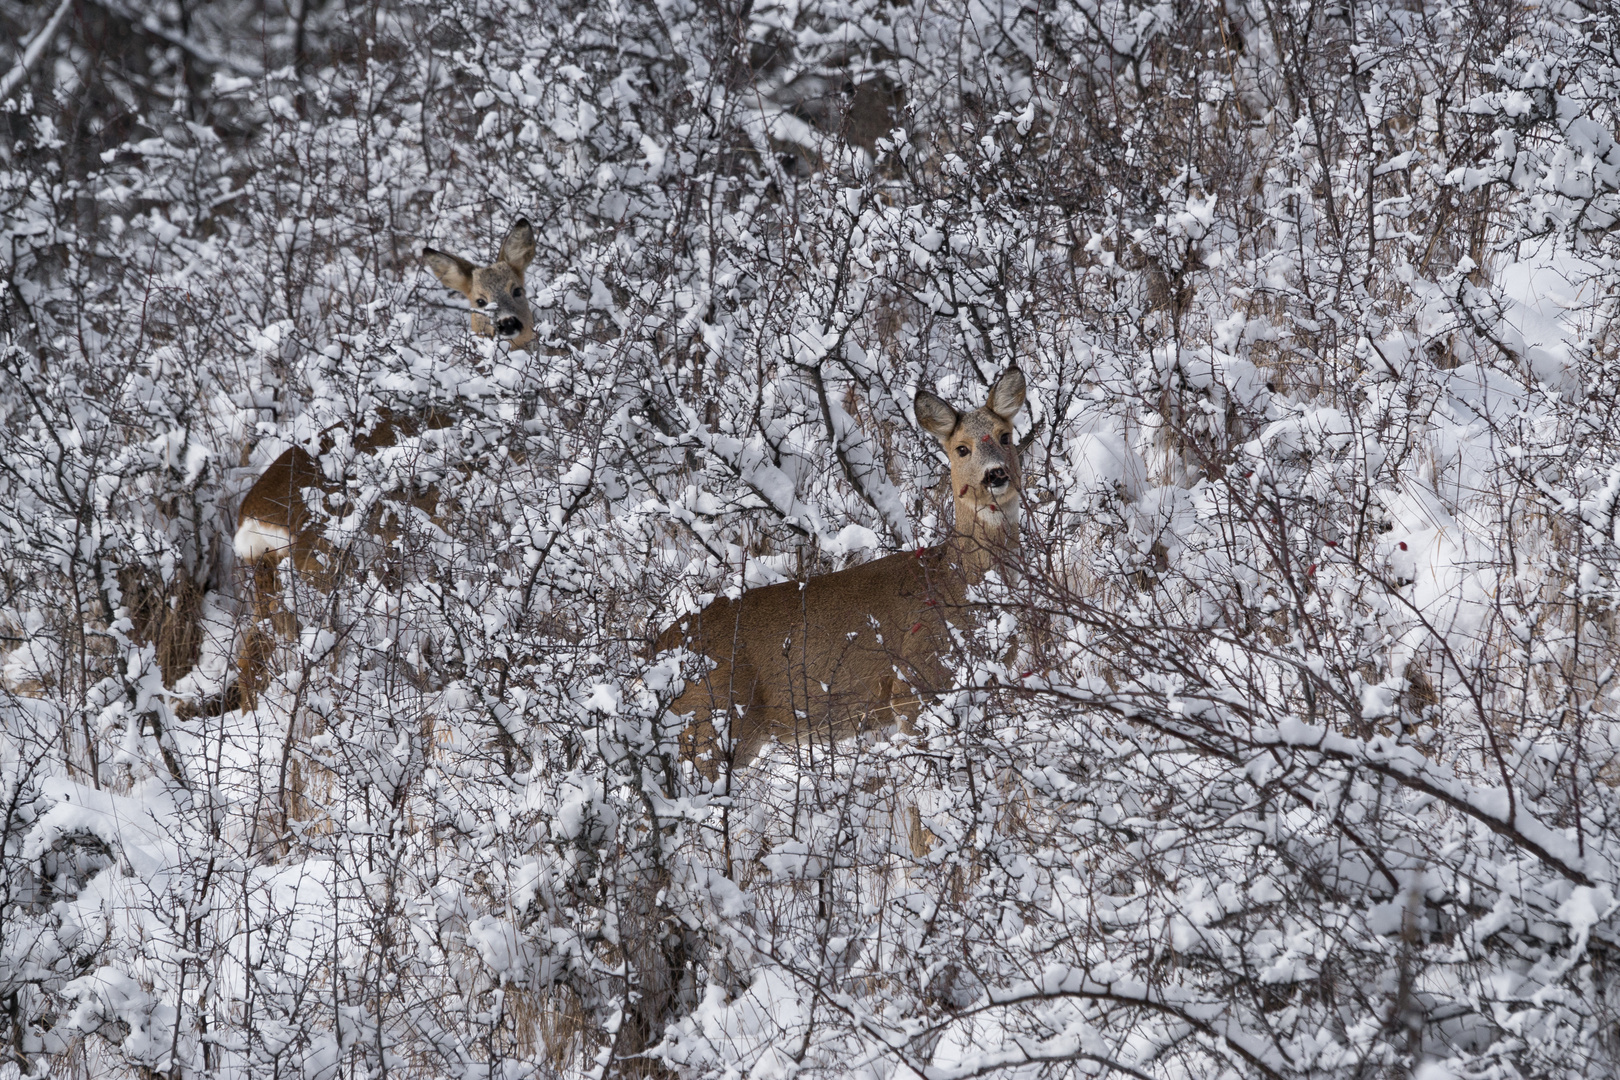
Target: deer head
[(495, 292), (985, 480)]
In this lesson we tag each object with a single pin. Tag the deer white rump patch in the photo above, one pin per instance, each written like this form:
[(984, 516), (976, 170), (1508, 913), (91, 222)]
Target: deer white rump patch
[(255, 538)]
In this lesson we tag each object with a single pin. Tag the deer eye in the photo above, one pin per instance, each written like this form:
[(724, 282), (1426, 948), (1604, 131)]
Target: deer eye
[(962, 451), (518, 291), (480, 301), (1006, 438)]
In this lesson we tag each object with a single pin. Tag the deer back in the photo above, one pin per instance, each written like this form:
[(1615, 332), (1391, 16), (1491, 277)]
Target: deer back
[(275, 521), (822, 659)]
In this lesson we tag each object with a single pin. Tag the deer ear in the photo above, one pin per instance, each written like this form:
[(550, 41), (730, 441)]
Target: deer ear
[(453, 272), (935, 415), (517, 250), (1007, 395)]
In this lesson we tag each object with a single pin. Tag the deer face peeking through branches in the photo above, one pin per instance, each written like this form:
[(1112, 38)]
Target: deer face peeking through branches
[(499, 302), (825, 658)]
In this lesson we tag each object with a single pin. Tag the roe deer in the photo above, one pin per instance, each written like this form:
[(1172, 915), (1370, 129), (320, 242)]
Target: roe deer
[(495, 292), (278, 521), (822, 658), (274, 519)]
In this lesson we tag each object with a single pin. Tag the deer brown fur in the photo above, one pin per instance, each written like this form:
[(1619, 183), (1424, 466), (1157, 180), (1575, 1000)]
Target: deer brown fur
[(278, 521), (820, 660), (275, 520)]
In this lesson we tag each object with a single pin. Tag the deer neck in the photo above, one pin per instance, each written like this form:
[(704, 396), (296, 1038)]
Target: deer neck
[(984, 536)]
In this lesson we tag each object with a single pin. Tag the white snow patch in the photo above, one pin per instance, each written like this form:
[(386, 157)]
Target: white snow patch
[(1104, 461), (1540, 290)]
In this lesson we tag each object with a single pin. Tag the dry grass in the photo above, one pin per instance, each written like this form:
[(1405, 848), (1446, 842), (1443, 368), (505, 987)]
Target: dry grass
[(550, 1022), (168, 616)]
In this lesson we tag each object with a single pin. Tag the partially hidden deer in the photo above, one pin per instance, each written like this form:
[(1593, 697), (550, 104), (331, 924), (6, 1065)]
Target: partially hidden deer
[(276, 520), (495, 293), (823, 659)]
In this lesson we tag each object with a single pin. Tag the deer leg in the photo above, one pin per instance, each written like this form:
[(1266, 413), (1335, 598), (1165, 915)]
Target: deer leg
[(258, 644), (905, 703), (699, 739)]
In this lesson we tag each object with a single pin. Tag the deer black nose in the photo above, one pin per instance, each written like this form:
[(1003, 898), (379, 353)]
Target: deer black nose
[(509, 326), (995, 478)]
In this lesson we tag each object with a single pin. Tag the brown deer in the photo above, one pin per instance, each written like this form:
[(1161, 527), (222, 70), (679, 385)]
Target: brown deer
[(274, 521), (824, 658)]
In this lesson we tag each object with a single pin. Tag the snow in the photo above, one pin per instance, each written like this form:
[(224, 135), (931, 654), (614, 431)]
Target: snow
[(1105, 462), (1299, 691)]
